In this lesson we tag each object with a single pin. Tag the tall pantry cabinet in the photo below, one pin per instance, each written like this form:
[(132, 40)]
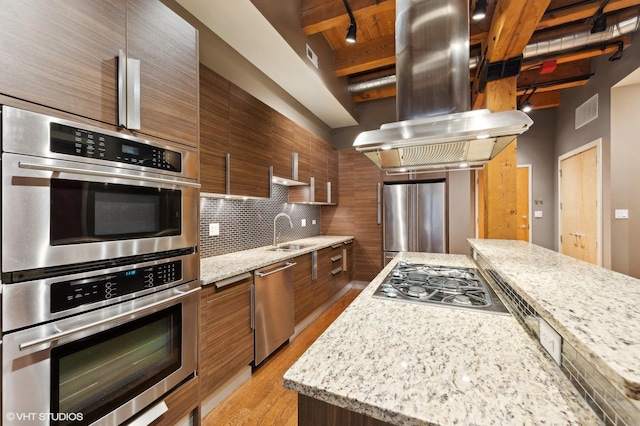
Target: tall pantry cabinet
[(64, 55)]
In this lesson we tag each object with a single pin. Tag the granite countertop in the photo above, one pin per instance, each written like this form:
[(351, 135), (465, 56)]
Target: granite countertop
[(217, 268), (598, 313), (419, 364)]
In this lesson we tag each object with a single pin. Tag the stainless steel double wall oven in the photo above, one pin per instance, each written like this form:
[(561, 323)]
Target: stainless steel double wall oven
[(99, 271)]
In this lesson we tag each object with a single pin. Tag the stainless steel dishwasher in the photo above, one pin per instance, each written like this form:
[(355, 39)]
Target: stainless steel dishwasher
[(273, 308)]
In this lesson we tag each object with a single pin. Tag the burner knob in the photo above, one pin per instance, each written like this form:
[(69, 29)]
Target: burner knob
[(392, 292)]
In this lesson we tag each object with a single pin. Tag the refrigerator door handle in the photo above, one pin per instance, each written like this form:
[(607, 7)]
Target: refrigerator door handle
[(379, 202)]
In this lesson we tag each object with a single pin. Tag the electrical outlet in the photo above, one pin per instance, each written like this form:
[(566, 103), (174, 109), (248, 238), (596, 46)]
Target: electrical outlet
[(313, 221), (214, 229), (303, 222), (551, 341)]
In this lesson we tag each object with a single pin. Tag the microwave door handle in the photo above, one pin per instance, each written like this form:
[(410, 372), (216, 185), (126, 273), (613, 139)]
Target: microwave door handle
[(63, 334), (61, 169)]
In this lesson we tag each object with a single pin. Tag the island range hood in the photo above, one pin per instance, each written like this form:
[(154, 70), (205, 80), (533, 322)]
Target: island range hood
[(435, 129)]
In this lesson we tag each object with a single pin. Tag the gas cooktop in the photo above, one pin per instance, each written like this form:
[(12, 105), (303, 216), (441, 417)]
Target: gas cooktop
[(446, 286)]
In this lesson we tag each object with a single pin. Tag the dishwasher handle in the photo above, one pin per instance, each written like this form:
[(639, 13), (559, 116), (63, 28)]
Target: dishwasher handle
[(287, 265)]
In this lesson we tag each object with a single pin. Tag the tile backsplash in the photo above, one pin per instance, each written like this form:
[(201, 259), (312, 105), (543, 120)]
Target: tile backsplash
[(247, 224)]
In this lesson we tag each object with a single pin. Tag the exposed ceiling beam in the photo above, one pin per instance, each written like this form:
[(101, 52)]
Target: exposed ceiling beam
[(323, 15), (365, 56)]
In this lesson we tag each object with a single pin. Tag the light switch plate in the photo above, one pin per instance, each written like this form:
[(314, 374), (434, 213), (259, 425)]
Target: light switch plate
[(313, 221), (537, 214), (622, 214), (551, 341), (303, 222), (214, 229)]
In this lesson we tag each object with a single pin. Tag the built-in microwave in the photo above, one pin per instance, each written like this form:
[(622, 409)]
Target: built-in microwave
[(79, 196)]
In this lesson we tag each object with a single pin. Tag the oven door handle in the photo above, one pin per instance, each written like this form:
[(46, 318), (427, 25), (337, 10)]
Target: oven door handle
[(63, 334), (61, 169)]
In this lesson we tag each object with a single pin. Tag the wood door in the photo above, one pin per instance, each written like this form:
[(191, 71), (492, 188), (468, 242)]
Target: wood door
[(214, 131), (522, 202), (63, 54), (579, 205), (167, 47), (226, 336)]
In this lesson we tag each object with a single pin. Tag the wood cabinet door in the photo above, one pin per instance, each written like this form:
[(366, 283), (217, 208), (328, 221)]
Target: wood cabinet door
[(167, 47), (214, 131), (332, 173), (226, 336), (301, 141), (249, 144), (323, 284), (303, 287), (281, 145), (63, 55), (319, 159)]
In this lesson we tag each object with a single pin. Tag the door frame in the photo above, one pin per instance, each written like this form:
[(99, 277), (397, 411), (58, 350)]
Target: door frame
[(529, 168), (598, 145)]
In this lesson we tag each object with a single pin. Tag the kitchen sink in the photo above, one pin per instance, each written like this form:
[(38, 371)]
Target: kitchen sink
[(288, 247)]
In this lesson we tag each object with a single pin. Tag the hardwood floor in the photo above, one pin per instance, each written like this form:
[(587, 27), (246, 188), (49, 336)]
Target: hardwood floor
[(262, 400)]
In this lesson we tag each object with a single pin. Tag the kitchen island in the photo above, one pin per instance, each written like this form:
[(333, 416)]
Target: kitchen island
[(416, 364)]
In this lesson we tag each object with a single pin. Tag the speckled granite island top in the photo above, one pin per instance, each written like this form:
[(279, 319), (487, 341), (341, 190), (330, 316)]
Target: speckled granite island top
[(594, 309), (415, 364), (217, 268)]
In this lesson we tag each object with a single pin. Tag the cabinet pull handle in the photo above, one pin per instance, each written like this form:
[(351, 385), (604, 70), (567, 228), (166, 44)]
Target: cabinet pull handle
[(336, 271), (133, 94), (232, 280), (253, 307), (227, 180), (335, 258), (286, 266), (335, 246), (122, 94)]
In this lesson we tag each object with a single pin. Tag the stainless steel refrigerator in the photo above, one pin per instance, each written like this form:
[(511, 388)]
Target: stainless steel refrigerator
[(415, 218)]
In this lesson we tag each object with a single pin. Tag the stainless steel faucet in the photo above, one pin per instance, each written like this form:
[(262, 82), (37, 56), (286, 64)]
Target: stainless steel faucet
[(274, 225)]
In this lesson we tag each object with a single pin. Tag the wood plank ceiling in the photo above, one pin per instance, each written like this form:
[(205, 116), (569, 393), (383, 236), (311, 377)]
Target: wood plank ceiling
[(369, 64)]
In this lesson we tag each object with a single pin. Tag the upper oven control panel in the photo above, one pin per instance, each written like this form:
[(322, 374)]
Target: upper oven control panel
[(70, 294), (85, 143)]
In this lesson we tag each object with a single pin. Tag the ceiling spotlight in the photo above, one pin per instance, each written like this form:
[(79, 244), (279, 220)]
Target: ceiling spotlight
[(352, 30), (527, 107), (480, 11)]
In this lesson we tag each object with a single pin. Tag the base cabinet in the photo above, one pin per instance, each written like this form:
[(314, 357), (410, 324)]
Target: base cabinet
[(302, 288), (313, 412), (181, 402), (226, 333)]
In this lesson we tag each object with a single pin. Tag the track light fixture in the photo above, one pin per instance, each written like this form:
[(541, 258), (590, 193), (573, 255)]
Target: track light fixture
[(480, 11), (618, 53), (599, 24), (527, 107), (353, 28)]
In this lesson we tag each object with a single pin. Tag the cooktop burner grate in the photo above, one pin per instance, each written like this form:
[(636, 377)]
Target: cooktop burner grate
[(440, 285)]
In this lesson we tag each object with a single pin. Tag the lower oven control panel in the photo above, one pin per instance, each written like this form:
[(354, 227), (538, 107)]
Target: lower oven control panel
[(70, 294)]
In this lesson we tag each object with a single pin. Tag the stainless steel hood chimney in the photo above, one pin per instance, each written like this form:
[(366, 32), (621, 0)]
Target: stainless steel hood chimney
[(436, 130)]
